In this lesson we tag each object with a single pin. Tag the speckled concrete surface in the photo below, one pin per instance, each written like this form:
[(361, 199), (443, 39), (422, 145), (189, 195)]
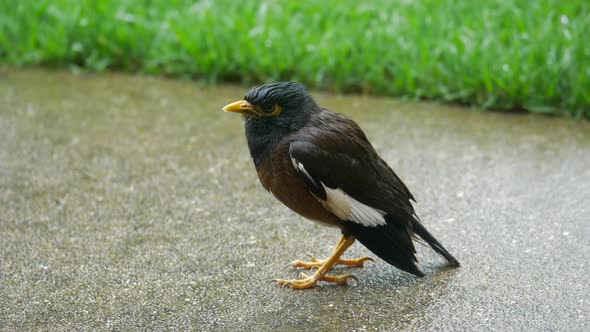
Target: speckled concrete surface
[(130, 203)]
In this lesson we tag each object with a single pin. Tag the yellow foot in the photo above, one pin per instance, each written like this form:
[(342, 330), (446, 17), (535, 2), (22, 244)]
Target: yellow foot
[(316, 263), (308, 282)]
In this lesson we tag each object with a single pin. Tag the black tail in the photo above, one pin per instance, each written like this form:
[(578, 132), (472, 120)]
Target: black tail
[(426, 236), (391, 242)]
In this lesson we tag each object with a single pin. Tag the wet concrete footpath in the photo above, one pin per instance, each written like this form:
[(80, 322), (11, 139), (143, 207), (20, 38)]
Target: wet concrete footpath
[(130, 203)]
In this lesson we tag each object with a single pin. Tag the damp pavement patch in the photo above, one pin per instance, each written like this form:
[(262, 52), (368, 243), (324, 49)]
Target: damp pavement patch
[(130, 203)]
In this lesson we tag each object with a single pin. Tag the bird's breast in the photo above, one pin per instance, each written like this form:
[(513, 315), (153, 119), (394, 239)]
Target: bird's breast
[(277, 175)]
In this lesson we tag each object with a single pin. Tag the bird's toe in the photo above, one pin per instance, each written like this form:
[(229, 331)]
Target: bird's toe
[(357, 262), (303, 283), (340, 279), (316, 263), (313, 263)]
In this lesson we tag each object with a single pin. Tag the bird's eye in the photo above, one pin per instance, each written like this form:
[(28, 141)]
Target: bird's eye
[(276, 109)]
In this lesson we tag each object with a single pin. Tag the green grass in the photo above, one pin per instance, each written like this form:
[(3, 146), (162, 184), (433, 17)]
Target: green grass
[(503, 54)]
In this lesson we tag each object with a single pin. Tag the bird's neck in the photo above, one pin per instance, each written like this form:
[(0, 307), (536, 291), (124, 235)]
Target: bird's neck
[(264, 135)]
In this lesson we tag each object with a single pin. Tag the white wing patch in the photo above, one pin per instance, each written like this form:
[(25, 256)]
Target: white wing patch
[(345, 207), (300, 167), (348, 208)]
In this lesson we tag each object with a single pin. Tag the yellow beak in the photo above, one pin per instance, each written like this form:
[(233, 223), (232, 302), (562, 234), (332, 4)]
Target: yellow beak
[(241, 106)]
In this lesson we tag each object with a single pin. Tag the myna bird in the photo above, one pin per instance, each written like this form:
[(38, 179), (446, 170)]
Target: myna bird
[(321, 165)]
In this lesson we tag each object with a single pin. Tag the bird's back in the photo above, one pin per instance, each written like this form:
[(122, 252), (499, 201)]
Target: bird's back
[(346, 160), (354, 165)]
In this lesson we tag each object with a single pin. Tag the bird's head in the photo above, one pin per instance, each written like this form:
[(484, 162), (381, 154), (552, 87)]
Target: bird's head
[(279, 103)]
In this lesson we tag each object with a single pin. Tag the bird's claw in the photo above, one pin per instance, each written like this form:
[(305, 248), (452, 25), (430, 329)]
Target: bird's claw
[(305, 282), (310, 281), (340, 280), (313, 259), (316, 263), (358, 262), (313, 263)]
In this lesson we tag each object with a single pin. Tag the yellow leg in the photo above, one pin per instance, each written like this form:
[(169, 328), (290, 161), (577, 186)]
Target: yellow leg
[(316, 263), (320, 274), (342, 239)]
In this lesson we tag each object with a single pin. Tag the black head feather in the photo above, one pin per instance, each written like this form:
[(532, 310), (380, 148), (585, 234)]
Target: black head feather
[(285, 94), (290, 96), (296, 105)]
